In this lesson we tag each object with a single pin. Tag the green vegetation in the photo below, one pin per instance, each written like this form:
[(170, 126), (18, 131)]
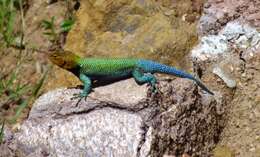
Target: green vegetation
[(11, 92), (2, 132), (16, 93), (7, 21), (50, 30), (26, 102), (66, 25)]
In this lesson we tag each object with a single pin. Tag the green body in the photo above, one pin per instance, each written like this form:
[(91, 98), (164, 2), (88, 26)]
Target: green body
[(106, 67)]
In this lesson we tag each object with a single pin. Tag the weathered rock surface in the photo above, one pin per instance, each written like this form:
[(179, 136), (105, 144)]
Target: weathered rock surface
[(228, 50), (234, 36), (122, 119), (228, 57), (217, 14), (179, 119), (135, 28)]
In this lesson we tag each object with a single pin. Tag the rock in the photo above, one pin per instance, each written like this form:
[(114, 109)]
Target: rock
[(229, 82), (66, 129), (176, 131), (244, 120), (217, 14), (210, 47), (128, 123), (99, 133), (5, 151), (134, 28), (234, 36), (234, 57), (223, 151)]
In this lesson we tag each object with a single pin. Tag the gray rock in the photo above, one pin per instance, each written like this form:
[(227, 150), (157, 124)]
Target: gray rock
[(124, 94), (98, 133), (132, 122), (64, 127), (234, 36), (210, 47), (231, 83), (227, 51)]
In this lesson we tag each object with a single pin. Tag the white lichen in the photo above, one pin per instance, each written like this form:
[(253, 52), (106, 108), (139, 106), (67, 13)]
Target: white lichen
[(234, 34)]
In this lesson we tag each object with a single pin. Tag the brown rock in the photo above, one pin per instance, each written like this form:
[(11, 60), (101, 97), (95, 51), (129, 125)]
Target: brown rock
[(134, 29), (234, 49), (218, 13)]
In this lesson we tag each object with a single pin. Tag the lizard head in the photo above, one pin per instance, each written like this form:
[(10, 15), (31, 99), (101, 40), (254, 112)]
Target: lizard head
[(64, 59)]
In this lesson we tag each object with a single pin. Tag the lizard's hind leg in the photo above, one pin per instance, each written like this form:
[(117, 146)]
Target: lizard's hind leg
[(142, 78)]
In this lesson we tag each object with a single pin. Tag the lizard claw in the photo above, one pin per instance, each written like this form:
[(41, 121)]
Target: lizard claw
[(154, 89), (81, 95), (75, 96)]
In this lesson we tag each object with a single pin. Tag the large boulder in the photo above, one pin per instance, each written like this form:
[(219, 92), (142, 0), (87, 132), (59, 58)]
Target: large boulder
[(122, 119), (228, 56)]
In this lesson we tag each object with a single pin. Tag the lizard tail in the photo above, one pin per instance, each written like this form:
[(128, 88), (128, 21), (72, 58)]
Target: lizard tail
[(154, 67)]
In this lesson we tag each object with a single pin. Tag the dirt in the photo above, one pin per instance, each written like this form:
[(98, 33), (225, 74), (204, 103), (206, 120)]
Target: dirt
[(34, 63), (241, 136)]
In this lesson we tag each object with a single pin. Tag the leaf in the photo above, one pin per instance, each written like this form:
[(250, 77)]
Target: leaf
[(50, 29), (9, 37), (25, 103), (7, 21), (1, 87), (19, 110), (66, 25), (48, 24), (2, 132), (11, 80), (39, 84)]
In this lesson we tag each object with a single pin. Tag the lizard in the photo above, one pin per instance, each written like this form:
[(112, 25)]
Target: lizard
[(109, 70)]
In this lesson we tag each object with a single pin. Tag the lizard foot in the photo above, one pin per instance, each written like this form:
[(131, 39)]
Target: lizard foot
[(80, 96), (153, 87)]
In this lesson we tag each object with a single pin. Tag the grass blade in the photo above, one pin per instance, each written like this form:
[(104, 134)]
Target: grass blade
[(66, 25), (1, 87), (39, 84), (2, 132), (25, 103)]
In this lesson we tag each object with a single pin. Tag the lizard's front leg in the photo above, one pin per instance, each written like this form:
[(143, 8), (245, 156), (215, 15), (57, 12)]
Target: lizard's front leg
[(141, 78), (87, 85)]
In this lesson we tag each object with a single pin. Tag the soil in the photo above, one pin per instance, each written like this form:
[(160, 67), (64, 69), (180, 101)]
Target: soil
[(241, 136)]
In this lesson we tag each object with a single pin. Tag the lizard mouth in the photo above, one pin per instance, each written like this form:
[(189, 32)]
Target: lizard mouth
[(63, 64)]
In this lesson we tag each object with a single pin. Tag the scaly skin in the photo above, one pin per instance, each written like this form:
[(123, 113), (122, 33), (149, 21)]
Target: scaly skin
[(102, 71)]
